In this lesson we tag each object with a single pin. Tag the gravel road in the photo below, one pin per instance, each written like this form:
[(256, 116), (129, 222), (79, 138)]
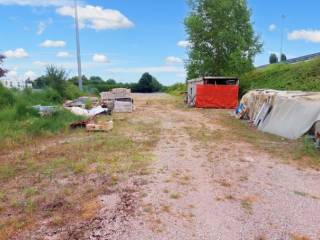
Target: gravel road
[(202, 187)]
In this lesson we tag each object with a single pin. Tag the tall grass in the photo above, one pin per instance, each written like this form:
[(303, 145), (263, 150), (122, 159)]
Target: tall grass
[(177, 89), (303, 76), (18, 120)]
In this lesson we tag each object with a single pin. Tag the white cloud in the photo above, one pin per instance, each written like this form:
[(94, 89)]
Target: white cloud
[(97, 18), (158, 69), (272, 28), (18, 53), (173, 60), (42, 26), (42, 3), (100, 58), (31, 75), (184, 44), (63, 54), (307, 35), (40, 63), (12, 74), (53, 44)]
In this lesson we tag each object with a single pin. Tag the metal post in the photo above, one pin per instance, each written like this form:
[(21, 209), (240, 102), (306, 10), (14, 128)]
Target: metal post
[(282, 33), (78, 45)]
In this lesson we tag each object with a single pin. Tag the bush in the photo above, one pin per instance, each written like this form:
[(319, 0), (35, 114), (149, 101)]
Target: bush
[(7, 97)]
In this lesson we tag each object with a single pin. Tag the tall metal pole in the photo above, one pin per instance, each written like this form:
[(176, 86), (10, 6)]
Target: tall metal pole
[(78, 44), (282, 35)]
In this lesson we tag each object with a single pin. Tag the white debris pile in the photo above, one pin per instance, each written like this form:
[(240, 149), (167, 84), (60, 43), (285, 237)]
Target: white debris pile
[(289, 114)]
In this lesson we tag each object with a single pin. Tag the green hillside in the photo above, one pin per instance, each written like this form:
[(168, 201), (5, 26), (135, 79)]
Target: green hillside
[(303, 76)]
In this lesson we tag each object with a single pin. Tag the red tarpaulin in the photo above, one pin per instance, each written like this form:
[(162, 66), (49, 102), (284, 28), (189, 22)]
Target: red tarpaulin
[(217, 96)]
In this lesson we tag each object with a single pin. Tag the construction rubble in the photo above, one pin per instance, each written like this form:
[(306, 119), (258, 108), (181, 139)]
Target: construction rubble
[(118, 100), (289, 114)]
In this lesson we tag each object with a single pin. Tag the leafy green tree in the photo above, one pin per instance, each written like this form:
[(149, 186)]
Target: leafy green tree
[(222, 39), (147, 84), (283, 58), (56, 78), (273, 58), (2, 71), (95, 79), (111, 82)]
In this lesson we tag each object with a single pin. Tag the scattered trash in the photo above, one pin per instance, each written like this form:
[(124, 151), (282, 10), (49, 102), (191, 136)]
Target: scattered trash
[(81, 102), (287, 114), (89, 113), (101, 127), (81, 124), (45, 110)]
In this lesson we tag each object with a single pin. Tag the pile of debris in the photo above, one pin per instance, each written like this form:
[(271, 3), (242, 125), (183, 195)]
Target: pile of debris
[(289, 114), (119, 100), (93, 125)]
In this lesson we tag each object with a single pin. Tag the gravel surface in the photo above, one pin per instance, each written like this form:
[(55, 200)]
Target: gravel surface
[(213, 190)]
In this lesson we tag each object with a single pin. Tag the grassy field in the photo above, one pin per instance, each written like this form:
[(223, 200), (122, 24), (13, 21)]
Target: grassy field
[(303, 76), (59, 180)]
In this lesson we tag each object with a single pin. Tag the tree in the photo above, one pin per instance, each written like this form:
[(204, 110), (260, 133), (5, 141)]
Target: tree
[(283, 58), (273, 58), (147, 84), (95, 79), (222, 39), (2, 71)]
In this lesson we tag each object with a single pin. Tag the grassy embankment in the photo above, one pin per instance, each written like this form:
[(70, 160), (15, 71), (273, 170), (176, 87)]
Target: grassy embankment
[(303, 76)]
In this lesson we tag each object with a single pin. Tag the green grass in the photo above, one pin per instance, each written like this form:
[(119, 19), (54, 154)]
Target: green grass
[(177, 89), (19, 121), (303, 76)]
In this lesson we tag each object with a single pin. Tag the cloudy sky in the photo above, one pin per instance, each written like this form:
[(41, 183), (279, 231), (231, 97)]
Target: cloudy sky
[(121, 39)]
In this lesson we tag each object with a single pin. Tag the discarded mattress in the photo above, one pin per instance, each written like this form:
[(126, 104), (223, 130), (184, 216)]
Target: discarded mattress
[(283, 113)]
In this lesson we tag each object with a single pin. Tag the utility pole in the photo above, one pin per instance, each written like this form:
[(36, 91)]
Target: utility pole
[(283, 17), (78, 44)]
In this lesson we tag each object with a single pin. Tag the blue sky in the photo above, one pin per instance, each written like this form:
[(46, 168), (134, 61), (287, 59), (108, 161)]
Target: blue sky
[(121, 39)]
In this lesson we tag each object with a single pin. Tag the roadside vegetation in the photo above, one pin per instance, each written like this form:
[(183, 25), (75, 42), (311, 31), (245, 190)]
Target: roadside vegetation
[(19, 122), (177, 89), (304, 76), (95, 84), (59, 182)]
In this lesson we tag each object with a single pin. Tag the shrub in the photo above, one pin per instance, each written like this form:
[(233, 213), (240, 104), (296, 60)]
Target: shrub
[(7, 97)]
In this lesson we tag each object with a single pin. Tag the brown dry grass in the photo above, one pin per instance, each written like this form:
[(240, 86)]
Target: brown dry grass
[(299, 152), (60, 177)]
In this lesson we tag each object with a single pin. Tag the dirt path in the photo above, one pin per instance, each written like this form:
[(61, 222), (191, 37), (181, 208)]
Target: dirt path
[(202, 186), (221, 191)]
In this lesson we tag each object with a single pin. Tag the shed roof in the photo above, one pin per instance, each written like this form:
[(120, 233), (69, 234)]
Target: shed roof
[(212, 78)]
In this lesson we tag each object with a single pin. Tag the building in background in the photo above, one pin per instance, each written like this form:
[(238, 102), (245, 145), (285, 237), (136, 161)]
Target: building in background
[(16, 83)]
